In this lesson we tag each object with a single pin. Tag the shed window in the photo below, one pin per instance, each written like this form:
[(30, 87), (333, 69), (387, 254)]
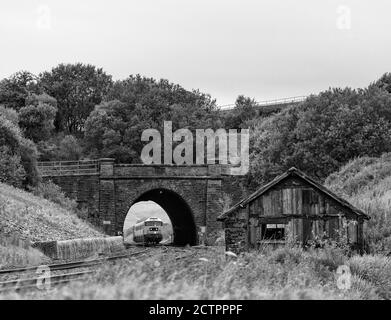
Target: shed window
[(273, 231)]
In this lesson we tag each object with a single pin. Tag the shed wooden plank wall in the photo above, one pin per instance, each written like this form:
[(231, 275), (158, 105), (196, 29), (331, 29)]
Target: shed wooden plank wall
[(294, 202), (236, 231), (309, 213)]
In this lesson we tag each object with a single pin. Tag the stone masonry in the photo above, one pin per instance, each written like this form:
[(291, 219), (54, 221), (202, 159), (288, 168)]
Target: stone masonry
[(191, 195)]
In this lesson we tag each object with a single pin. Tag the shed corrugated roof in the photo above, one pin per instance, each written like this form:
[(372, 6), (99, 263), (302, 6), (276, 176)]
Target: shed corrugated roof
[(289, 173)]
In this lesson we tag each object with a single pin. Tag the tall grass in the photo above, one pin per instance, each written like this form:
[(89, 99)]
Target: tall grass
[(375, 269), (37, 219), (52, 192), (284, 273), (15, 252), (366, 183)]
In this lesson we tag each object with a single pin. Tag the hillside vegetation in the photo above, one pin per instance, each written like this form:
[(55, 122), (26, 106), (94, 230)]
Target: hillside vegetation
[(366, 183), (33, 218), (323, 133)]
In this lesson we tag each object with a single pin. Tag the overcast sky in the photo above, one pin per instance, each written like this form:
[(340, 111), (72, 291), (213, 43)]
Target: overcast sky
[(262, 49)]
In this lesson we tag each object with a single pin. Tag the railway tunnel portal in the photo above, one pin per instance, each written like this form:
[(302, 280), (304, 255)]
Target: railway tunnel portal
[(105, 191), (178, 211)]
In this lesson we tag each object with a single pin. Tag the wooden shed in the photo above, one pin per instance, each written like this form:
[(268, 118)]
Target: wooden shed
[(292, 207)]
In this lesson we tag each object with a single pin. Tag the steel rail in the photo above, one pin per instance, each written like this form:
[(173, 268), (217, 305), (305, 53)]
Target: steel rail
[(73, 265)]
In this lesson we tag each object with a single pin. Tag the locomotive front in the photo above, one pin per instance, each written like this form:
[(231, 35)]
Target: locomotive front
[(153, 230)]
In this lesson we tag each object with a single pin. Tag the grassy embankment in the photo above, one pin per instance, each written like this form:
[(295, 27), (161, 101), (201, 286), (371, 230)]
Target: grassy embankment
[(26, 218), (286, 273), (366, 183)]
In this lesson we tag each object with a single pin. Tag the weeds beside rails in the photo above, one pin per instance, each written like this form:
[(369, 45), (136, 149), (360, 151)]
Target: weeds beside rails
[(15, 252), (212, 273), (44, 273)]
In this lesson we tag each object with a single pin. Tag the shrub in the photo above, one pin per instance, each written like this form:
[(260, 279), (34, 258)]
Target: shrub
[(287, 255), (48, 151), (29, 156), (52, 192), (37, 121), (18, 148), (11, 169), (9, 114), (70, 149), (330, 256), (10, 135)]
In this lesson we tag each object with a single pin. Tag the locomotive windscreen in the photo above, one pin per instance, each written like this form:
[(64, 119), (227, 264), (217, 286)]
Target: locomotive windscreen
[(153, 223)]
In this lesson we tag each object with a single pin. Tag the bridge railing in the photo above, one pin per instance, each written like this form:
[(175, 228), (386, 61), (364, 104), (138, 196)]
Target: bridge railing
[(63, 168), (94, 167), (269, 103)]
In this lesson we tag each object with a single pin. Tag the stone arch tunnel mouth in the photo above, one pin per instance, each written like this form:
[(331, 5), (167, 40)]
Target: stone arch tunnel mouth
[(179, 212)]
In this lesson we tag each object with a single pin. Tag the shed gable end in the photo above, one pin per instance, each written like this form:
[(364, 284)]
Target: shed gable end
[(295, 197)]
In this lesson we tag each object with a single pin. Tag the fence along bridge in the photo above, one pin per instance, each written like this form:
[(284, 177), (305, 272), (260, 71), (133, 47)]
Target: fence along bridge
[(191, 195), (269, 103)]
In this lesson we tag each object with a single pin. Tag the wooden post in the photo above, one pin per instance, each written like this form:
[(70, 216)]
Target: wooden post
[(248, 228), (360, 235)]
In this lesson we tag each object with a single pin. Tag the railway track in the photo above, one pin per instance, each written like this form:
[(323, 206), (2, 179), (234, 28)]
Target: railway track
[(33, 282), (75, 264), (38, 280)]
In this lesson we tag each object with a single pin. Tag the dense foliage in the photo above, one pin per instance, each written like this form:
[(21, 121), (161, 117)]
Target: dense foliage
[(322, 134), (114, 128), (15, 89), (245, 109), (17, 155), (37, 121), (76, 111), (11, 169), (77, 89)]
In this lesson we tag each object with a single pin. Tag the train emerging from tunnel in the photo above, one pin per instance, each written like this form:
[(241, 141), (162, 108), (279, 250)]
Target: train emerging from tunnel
[(148, 231)]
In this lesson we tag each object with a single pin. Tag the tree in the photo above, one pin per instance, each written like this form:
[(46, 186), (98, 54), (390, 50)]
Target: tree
[(10, 135), (69, 149), (17, 152), (37, 121), (11, 169), (48, 150), (37, 99), (114, 128), (29, 156), (245, 110), (378, 100), (15, 89), (384, 82), (320, 135), (77, 89), (110, 132), (9, 114)]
